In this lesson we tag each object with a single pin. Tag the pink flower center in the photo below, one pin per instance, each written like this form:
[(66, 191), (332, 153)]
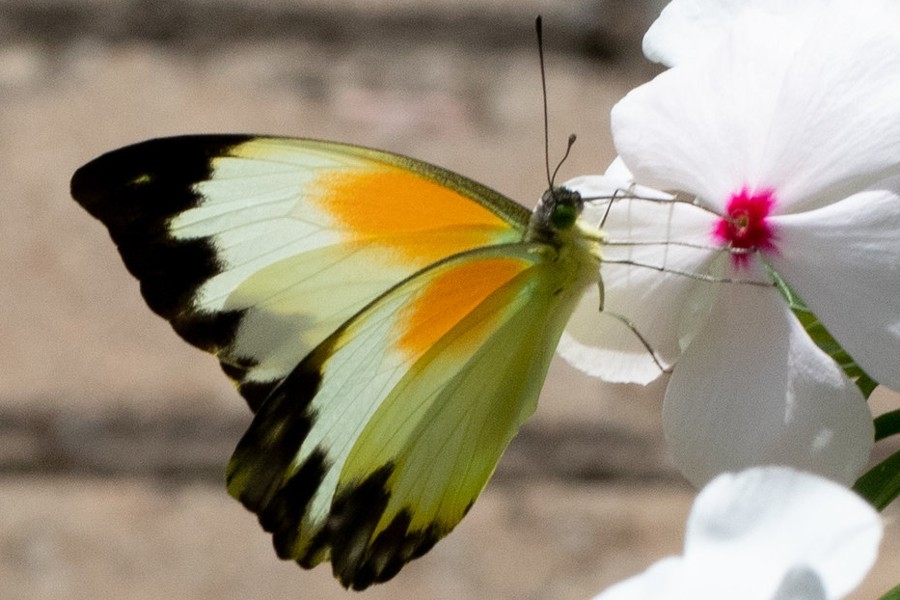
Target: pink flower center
[(745, 226)]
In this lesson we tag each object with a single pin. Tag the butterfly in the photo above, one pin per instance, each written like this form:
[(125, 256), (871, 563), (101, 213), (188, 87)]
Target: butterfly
[(390, 323)]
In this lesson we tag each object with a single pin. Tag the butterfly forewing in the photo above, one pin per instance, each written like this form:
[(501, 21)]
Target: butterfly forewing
[(257, 249)]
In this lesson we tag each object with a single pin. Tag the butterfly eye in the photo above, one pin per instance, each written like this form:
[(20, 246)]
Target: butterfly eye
[(564, 216)]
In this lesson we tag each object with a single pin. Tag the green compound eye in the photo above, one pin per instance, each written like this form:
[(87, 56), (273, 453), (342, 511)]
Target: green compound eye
[(564, 216)]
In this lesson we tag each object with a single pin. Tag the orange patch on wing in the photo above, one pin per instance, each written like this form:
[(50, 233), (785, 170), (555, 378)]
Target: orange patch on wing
[(392, 206), (450, 297)]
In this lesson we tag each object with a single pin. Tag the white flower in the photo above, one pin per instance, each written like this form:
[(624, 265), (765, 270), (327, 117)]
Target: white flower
[(786, 130), (768, 533)]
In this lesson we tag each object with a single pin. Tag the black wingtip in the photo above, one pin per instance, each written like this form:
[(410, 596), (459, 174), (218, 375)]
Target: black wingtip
[(114, 181), (134, 191)]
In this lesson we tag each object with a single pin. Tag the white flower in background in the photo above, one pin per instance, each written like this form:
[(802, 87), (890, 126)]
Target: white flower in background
[(786, 130), (768, 533)]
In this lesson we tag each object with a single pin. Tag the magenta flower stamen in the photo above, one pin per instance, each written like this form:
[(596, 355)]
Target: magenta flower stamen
[(745, 226)]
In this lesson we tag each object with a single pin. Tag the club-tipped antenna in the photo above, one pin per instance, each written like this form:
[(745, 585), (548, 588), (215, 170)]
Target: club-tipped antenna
[(539, 31), (569, 144)]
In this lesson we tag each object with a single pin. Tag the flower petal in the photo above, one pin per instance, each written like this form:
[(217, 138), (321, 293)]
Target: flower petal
[(774, 520), (752, 388), (702, 126), (661, 580), (687, 29), (811, 112), (650, 275), (844, 262), (837, 126), (601, 346), (767, 533)]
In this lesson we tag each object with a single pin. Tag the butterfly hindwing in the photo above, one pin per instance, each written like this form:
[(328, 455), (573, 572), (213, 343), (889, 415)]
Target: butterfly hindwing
[(377, 444), (256, 249)]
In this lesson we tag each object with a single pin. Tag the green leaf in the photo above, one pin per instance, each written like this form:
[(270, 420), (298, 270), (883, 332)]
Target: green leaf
[(893, 594), (887, 425), (823, 338), (881, 485)]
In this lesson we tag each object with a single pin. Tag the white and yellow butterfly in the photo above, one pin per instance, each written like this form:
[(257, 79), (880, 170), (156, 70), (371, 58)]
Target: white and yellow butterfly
[(389, 322)]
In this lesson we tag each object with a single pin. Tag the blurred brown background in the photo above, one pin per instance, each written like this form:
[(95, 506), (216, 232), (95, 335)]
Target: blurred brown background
[(114, 433)]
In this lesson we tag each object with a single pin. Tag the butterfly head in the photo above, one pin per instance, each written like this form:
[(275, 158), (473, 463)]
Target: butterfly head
[(555, 214)]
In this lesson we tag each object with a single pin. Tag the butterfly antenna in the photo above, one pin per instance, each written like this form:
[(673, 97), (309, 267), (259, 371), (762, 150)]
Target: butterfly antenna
[(539, 31), (569, 144)]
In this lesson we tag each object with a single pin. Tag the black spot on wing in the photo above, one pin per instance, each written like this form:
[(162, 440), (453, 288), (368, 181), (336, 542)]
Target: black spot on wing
[(261, 473), (261, 464), (357, 559), (354, 515), (237, 370), (135, 191), (256, 392), (284, 512), (209, 331)]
